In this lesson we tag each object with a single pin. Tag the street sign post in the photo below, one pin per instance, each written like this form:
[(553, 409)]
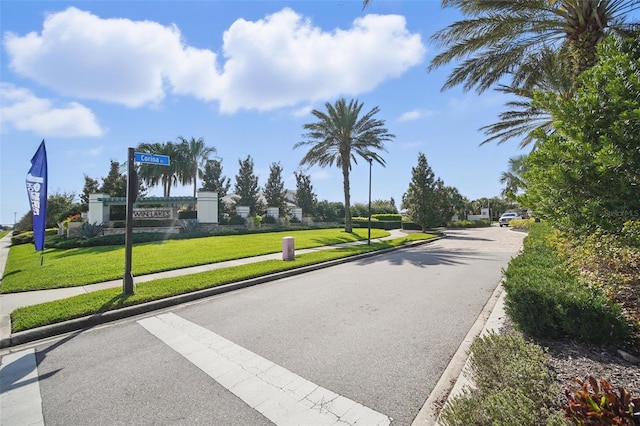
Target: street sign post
[(132, 195)]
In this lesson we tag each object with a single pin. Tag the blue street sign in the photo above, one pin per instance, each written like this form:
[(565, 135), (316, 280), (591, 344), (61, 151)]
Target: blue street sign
[(158, 160)]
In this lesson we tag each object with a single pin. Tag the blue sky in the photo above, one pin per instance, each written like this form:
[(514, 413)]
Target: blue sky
[(94, 78)]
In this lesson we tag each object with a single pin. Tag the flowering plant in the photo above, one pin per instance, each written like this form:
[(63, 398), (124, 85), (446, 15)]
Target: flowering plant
[(74, 218)]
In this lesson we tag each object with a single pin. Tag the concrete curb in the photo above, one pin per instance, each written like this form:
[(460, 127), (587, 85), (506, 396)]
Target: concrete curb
[(453, 379), (87, 322)]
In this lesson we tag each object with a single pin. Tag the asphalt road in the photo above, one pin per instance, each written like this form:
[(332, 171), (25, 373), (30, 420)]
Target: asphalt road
[(377, 332)]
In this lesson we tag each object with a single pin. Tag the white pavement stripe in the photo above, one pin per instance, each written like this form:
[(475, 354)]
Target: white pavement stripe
[(277, 393), (20, 401)]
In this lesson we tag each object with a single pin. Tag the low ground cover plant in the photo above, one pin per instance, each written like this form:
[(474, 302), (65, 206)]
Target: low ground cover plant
[(513, 386), (110, 299)]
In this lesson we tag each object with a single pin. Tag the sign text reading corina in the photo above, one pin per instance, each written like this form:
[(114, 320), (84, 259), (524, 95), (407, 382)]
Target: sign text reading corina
[(160, 160)]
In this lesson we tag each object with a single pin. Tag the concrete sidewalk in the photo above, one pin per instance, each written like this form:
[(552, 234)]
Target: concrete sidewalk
[(11, 301)]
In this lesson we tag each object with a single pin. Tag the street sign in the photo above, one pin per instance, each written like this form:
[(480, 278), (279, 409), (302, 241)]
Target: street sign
[(158, 160)]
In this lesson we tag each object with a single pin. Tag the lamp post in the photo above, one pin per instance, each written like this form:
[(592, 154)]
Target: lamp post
[(369, 233)]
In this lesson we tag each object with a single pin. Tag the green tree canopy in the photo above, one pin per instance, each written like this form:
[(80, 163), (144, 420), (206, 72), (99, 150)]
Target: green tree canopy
[(340, 136), (306, 198), (195, 154), (167, 176), (91, 186), (586, 174), (213, 180), (246, 186), (421, 199), (497, 37), (274, 192)]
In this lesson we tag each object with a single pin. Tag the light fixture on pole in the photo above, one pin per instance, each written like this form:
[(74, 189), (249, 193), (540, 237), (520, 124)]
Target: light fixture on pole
[(369, 233)]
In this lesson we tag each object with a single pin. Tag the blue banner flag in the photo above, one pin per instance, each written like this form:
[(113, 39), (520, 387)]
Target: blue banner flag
[(37, 191)]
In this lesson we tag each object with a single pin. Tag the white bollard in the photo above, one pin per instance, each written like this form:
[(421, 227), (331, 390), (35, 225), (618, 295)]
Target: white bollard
[(288, 250)]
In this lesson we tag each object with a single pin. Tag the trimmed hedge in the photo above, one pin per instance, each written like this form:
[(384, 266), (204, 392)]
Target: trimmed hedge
[(545, 298), (387, 217), (188, 214), (375, 224), (411, 226), (26, 237)]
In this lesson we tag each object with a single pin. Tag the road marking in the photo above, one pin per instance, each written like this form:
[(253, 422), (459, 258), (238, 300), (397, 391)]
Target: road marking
[(20, 401), (277, 393)]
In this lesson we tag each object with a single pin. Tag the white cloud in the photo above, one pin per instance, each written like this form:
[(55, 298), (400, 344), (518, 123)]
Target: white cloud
[(22, 110), (281, 60), (415, 114), (321, 174)]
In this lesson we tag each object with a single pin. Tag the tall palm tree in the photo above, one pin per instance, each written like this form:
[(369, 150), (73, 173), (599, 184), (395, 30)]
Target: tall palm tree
[(153, 175), (195, 155), (500, 35), (338, 136)]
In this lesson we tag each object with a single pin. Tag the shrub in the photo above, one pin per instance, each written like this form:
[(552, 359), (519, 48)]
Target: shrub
[(514, 386), (270, 220), (601, 405), (188, 214), (411, 226), (237, 220), (26, 237), (375, 223), (546, 299), (387, 217), (189, 225), (90, 230), (521, 223)]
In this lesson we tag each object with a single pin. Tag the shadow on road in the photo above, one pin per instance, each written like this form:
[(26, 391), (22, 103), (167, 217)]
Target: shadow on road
[(422, 258)]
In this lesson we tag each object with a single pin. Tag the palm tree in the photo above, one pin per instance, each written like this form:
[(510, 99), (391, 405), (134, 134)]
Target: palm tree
[(195, 155), (339, 135), (500, 35), (544, 71), (153, 175), (512, 178)]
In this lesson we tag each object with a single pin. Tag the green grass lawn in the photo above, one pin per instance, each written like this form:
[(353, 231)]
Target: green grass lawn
[(80, 266), (3, 233), (105, 300)]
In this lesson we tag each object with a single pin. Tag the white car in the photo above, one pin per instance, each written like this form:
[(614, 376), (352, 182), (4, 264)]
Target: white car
[(508, 217)]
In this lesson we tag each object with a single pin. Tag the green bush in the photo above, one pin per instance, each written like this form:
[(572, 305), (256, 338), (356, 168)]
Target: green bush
[(514, 386), (188, 214), (269, 220), (387, 217), (363, 222), (411, 226), (521, 223), (237, 220), (90, 230), (546, 299), (189, 226), (26, 237)]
